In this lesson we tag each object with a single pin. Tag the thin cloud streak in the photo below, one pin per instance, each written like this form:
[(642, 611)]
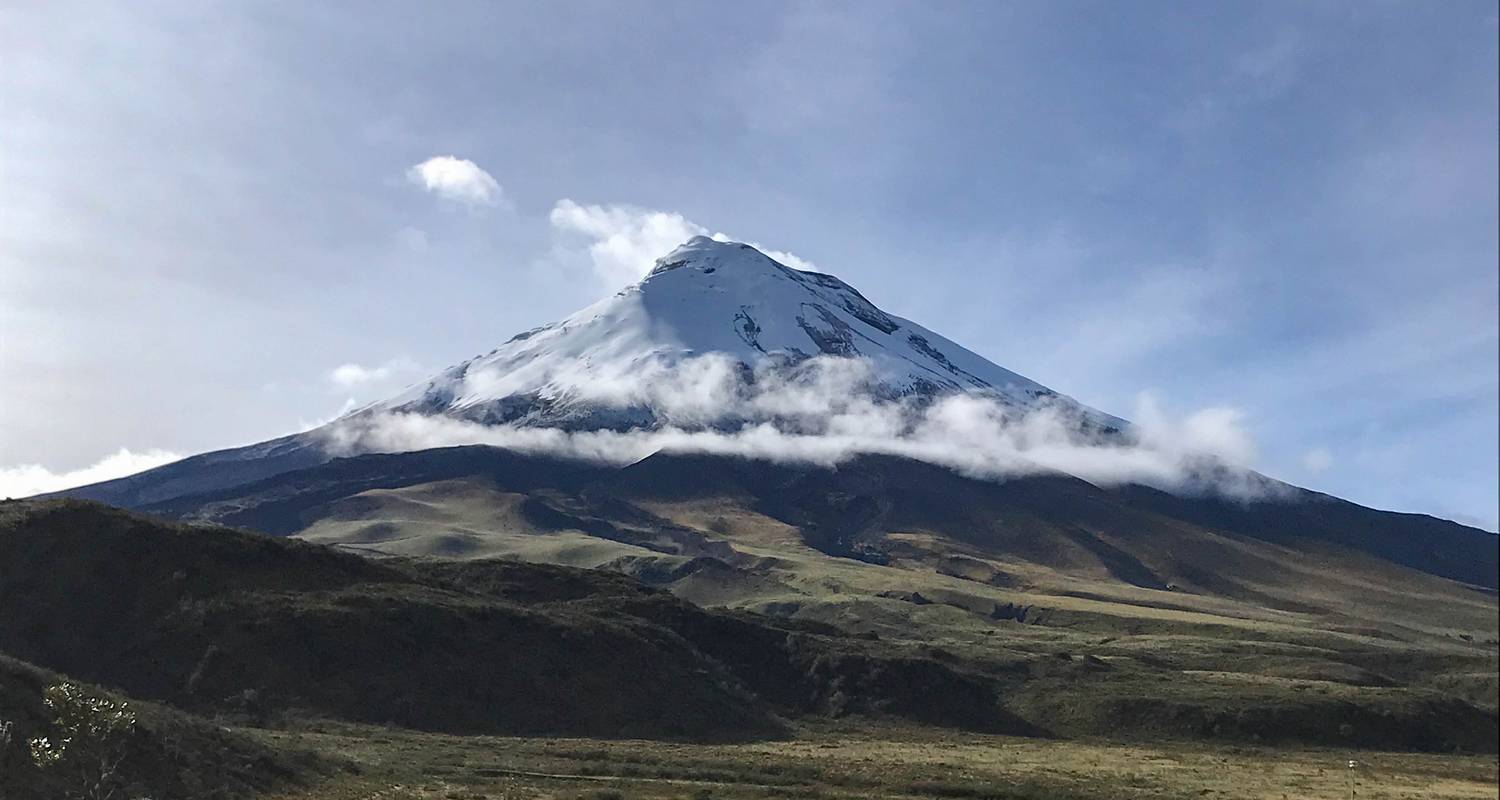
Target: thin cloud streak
[(25, 480)]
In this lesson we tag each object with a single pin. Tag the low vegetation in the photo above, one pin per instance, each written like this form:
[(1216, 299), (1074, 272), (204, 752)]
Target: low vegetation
[(857, 759), (63, 739)]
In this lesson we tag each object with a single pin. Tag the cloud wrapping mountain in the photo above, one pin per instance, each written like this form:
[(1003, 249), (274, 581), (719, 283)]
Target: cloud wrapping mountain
[(827, 409), (722, 349)]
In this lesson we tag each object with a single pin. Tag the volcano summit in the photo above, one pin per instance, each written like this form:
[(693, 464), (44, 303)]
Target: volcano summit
[(709, 298)]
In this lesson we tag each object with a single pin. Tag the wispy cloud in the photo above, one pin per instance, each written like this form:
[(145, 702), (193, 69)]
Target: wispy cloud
[(1318, 459), (457, 179), (1258, 74), (353, 376), (625, 240), (1274, 62), (24, 480), (359, 384), (413, 239)]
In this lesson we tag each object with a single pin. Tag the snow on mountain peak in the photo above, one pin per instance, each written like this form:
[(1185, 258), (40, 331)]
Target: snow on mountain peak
[(709, 254), (709, 299)]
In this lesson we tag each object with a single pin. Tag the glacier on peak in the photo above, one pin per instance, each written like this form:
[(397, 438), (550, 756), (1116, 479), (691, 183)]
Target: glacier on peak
[(708, 306)]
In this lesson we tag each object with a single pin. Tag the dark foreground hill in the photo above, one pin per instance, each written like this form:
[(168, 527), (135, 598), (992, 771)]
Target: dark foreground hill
[(220, 621)]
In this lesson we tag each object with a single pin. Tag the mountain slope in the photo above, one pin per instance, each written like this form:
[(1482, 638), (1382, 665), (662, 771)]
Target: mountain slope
[(851, 510), (207, 472)]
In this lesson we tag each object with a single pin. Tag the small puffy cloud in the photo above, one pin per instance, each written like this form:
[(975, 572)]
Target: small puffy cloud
[(353, 376), (627, 240), (457, 179), (359, 384), (24, 480), (1317, 459)]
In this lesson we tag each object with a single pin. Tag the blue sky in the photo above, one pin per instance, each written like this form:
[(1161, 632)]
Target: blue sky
[(1286, 208)]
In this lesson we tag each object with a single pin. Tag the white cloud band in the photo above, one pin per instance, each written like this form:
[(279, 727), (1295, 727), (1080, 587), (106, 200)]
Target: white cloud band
[(822, 411)]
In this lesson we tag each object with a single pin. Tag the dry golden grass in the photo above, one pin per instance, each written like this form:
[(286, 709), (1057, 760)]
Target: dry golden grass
[(875, 762)]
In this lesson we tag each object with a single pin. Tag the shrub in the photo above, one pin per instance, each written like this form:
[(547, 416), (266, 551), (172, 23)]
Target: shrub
[(88, 741)]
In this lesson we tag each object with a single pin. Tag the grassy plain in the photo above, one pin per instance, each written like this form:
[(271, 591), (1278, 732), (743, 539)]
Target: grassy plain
[(863, 760)]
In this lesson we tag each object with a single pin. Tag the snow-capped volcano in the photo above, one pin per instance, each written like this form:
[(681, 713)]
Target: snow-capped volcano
[(723, 371), (708, 298), (718, 337)]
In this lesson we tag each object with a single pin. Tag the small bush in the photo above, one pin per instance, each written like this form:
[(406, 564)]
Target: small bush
[(89, 738)]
